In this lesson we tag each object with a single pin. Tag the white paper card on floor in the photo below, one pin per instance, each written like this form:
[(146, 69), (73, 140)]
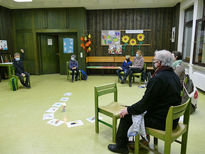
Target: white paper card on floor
[(47, 116), (55, 122), (57, 104), (64, 99), (67, 94), (52, 109), (92, 119), (74, 123)]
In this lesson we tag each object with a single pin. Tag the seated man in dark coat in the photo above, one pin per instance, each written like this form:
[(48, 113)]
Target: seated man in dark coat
[(163, 90), (73, 66), (19, 69)]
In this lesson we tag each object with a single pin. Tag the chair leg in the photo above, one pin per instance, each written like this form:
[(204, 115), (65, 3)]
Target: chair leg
[(167, 147), (136, 144), (155, 143), (96, 121), (184, 143), (114, 129)]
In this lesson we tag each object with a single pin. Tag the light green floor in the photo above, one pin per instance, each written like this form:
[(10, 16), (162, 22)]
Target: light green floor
[(22, 130)]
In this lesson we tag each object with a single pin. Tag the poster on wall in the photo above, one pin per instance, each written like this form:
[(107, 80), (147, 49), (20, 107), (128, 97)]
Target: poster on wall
[(3, 45), (68, 45), (109, 37)]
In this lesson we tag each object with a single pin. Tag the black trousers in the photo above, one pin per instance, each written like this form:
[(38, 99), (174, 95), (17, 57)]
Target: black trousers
[(21, 78), (126, 122), (133, 70), (73, 73), (126, 73)]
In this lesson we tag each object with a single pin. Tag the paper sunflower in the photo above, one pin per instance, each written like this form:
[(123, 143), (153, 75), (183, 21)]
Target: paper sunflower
[(125, 39), (140, 37), (133, 42)]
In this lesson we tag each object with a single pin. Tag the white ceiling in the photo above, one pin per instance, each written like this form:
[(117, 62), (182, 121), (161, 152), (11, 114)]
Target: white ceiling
[(90, 4)]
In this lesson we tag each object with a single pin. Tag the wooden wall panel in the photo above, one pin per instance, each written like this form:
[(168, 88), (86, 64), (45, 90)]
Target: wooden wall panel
[(159, 20)]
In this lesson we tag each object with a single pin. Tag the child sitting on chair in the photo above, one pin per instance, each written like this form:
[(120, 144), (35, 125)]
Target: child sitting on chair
[(73, 66), (19, 69)]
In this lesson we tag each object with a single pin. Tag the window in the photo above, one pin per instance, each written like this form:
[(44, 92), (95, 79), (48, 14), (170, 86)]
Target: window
[(188, 21), (199, 43)]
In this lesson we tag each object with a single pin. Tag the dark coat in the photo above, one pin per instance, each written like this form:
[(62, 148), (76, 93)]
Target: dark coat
[(18, 65), (125, 65), (163, 90)]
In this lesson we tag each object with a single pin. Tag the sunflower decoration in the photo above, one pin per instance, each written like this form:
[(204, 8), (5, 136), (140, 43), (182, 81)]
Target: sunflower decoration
[(125, 38), (133, 42), (140, 37)]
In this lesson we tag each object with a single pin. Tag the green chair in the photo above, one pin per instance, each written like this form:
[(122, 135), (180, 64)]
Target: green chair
[(139, 75), (17, 78), (69, 72), (169, 135), (122, 73), (111, 110)]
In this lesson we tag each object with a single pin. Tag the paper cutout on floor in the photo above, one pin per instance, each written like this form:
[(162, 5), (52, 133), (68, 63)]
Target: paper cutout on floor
[(67, 94), (142, 86), (74, 123), (64, 99), (52, 109), (55, 122), (47, 116), (57, 104), (92, 119)]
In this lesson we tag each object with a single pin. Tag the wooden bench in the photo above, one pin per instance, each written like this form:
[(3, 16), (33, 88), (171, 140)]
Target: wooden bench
[(112, 59)]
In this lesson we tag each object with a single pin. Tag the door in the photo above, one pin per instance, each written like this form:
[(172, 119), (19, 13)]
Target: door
[(64, 57), (49, 62)]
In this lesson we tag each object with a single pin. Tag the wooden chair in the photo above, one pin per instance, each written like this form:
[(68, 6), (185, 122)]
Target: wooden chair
[(112, 110), (69, 72), (169, 135), (139, 75), (17, 78)]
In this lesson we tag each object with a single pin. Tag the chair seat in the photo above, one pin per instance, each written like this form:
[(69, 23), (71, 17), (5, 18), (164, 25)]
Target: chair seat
[(181, 128), (136, 73), (114, 108)]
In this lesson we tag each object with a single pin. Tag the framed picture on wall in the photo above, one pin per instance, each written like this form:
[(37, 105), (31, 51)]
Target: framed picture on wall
[(68, 45), (3, 45)]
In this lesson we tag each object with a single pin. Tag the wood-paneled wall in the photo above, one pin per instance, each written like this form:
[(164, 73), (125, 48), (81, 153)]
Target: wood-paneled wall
[(6, 29), (159, 20), (28, 22)]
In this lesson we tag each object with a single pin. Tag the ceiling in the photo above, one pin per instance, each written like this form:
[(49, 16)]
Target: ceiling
[(90, 4)]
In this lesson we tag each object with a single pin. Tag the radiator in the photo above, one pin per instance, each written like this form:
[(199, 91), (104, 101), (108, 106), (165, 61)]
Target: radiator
[(199, 80)]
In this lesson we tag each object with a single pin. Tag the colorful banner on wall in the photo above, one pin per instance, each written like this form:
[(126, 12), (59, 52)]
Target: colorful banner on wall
[(109, 37), (68, 45), (3, 45)]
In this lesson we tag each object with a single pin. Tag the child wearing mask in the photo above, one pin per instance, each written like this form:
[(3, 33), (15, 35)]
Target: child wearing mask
[(19, 69), (125, 67), (73, 66)]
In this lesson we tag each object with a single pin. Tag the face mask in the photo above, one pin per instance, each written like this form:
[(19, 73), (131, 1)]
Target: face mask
[(72, 58), (17, 59), (154, 65), (137, 55), (128, 59)]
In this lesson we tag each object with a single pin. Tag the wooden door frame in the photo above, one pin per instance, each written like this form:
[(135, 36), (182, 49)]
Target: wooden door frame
[(49, 31)]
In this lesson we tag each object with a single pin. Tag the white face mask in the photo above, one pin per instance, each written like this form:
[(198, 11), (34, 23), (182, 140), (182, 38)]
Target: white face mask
[(72, 58), (17, 58)]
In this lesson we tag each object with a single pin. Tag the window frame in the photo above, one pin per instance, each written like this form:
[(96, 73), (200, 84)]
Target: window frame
[(190, 22)]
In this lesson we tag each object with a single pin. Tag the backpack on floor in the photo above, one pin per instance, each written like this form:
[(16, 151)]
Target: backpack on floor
[(13, 83), (84, 76)]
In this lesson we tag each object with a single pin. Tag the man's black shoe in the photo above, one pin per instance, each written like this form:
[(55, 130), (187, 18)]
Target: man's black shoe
[(116, 149), (130, 84)]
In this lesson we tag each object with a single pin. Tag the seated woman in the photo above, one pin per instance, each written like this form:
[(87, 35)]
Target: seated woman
[(19, 69), (125, 67), (177, 66), (137, 66), (73, 66), (163, 90)]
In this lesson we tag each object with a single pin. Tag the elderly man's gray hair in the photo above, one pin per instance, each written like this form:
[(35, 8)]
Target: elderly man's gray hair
[(165, 57)]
